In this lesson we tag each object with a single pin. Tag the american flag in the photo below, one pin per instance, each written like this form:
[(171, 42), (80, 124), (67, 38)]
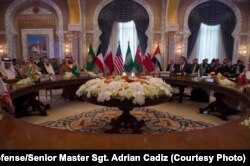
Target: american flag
[(118, 62)]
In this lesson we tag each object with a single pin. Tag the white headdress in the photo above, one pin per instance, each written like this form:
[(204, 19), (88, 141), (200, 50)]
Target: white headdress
[(10, 73), (49, 68)]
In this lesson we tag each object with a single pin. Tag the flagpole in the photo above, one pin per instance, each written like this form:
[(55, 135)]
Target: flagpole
[(105, 68), (132, 60), (104, 65), (117, 72)]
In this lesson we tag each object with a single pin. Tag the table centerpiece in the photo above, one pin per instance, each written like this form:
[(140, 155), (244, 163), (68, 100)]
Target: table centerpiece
[(125, 92)]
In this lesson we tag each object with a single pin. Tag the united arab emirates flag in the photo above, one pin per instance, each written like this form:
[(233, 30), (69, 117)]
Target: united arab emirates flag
[(157, 58), (138, 60), (128, 66), (90, 59)]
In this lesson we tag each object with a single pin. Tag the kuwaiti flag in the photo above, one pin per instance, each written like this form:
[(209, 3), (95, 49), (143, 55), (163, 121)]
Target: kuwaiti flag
[(147, 61), (108, 59), (99, 59), (157, 58), (138, 60)]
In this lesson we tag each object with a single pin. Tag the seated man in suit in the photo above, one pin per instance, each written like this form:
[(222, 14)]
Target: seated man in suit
[(213, 66), (195, 66), (218, 65), (183, 68), (204, 67), (172, 67), (225, 68), (237, 68)]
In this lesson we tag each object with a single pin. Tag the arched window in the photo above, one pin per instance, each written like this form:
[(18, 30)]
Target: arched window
[(123, 11), (124, 32), (212, 13), (209, 43)]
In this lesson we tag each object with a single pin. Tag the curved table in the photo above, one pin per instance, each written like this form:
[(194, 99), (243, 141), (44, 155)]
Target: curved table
[(223, 95), (56, 82), (15, 134), (176, 80), (189, 82), (24, 97)]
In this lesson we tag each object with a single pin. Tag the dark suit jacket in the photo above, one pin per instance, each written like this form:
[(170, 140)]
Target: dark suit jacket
[(175, 67), (241, 68), (186, 69), (41, 67), (224, 69), (233, 70), (195, 68)]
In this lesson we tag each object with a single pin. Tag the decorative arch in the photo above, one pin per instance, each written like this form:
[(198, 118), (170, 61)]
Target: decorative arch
[(172, 12), (101, 5), (74, 11), (235, 34), (248, 46), (11, 32)]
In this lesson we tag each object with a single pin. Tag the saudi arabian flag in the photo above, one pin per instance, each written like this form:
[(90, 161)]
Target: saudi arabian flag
[(30, 71), (128, 66), (90, 59), (75, 71)]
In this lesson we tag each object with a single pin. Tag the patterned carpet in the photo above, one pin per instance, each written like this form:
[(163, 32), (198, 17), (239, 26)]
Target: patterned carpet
[(98, 121)]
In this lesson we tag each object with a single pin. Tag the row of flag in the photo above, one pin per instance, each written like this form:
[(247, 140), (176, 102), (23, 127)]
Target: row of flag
[(141, 62)]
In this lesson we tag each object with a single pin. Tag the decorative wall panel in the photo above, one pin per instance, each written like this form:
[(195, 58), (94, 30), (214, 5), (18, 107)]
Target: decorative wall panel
[(37, 32)]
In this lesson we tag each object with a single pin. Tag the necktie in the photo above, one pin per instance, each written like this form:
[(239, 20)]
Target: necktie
[(194, 68), (172, 68), (182, 66), (237, 69)]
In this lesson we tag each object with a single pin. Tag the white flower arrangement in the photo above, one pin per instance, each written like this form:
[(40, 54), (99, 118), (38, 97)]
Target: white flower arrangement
[(25, 82), (226, 82), (92, 74), (223, 81), (246, 122), (125, 87), (68, 75)]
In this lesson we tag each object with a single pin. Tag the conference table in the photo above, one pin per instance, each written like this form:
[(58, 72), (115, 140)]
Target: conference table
[(16, 134)]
